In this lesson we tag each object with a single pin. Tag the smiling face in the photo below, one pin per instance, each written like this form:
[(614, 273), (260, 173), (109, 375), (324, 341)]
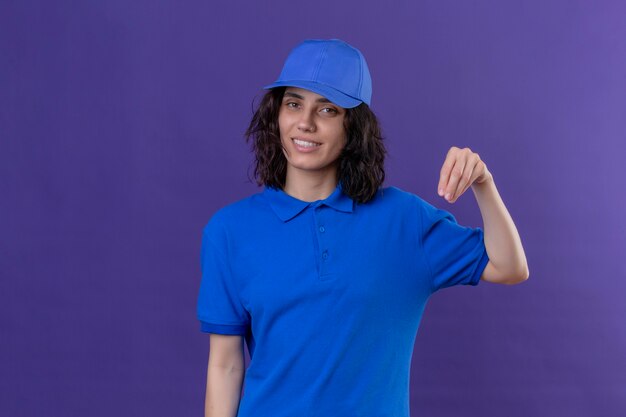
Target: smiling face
[(311, 131)]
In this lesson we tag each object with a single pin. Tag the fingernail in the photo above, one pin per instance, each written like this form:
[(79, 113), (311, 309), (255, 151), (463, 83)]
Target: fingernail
[(448, 196), (440, 191)]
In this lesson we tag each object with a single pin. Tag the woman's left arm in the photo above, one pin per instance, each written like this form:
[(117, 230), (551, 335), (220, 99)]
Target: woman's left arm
[(507, 261)]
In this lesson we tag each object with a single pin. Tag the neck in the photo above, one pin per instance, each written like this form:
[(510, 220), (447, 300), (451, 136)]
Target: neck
[(310, 186)]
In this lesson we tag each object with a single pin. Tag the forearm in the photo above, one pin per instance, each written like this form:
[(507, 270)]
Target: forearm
[(223, 390), (502, 241)]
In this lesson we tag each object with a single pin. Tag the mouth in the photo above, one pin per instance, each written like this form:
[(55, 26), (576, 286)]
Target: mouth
[(305, 143)]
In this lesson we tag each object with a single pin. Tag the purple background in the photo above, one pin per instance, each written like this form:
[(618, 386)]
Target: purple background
[(121, 132)]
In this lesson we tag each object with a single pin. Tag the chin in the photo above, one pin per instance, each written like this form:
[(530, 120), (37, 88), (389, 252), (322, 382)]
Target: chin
[(304, 166)]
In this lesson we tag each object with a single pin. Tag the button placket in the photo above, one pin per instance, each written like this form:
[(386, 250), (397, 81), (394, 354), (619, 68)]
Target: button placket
[(324, 254)]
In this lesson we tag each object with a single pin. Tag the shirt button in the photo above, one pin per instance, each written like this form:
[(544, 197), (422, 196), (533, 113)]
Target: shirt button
[(322, 229), (325, 254)]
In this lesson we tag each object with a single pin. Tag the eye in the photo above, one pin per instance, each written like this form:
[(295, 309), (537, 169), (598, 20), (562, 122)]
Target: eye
[(331, 110)]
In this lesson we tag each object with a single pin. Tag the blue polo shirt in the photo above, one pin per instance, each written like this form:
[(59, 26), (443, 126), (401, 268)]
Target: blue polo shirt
[(329, 295)]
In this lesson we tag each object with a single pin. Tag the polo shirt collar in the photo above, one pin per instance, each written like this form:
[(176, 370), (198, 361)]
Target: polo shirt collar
[(287, 207)]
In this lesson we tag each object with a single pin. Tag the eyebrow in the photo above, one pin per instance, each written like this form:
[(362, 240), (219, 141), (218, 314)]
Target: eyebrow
[(319, 100)]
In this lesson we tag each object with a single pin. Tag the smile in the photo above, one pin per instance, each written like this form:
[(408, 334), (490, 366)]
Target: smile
[(305, 143)]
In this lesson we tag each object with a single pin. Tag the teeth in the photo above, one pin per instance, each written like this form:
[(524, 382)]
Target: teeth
[(305, 143)]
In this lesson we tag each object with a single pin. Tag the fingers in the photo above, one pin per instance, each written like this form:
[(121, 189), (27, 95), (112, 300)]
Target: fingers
[(467, 180), (472, 178), (444, 174), (457, 173), (456, 180)]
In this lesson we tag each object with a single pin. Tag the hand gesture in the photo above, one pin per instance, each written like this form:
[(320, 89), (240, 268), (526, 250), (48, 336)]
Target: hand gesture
[(460, 170)]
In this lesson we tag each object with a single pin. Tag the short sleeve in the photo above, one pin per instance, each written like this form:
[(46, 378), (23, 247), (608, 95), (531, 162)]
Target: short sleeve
[(455, 254), (219, 307)]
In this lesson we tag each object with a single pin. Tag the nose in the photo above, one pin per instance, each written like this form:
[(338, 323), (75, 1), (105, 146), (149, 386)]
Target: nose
[(306, 122)]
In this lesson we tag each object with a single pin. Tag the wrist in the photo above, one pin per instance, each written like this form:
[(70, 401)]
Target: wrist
[(484, 180)]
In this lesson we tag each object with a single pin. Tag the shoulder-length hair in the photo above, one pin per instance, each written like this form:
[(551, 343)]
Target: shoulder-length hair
[(361, 163)]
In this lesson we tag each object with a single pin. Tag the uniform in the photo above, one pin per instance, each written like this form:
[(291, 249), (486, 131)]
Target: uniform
[(329, 295)]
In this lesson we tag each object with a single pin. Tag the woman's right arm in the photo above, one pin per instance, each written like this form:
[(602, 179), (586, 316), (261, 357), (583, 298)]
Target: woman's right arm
[(225, 374)]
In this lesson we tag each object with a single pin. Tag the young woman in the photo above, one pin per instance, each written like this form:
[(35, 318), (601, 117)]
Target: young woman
[(325, 273)]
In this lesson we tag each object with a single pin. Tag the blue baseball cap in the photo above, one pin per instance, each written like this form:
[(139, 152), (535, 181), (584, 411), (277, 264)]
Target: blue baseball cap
[(329, 67)]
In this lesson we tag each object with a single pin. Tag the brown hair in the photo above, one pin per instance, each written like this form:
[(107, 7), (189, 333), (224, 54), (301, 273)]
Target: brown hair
[(361, 162)]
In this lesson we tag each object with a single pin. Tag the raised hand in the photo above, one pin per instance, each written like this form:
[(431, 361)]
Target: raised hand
[(460, 170)]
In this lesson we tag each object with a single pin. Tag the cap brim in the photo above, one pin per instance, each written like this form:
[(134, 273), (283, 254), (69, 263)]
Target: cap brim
[(330, 93)]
